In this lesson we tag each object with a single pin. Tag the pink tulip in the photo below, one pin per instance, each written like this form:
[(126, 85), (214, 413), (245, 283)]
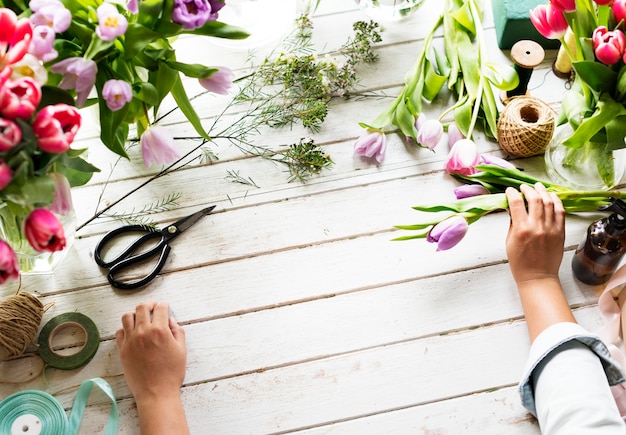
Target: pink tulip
[(567, 5), (619, 10), (488, 159), (55, 127), (430, 133), (470, 190), (549, 21), (608, 46), (448, 233), (5, 174), (62, 203), (10, 135), (19, 98), (42, 45), (219, 82), (132, 6), (44, 231), (371, 144), (111, 23), (157, 146), (9, 267), (462, 158), (454, 134), (51, 13), (15, 37), (79, 74), (116, 94)]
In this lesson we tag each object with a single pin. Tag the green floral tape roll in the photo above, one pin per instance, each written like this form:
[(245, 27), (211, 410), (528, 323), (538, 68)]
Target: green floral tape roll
[(79, 359), (32, 412)]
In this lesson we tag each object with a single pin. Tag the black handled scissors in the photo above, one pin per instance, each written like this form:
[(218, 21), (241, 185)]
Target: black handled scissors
[(134, 253)]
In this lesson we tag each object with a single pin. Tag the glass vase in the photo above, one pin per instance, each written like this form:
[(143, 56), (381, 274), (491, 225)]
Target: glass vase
[(590, 167), (31, 261)]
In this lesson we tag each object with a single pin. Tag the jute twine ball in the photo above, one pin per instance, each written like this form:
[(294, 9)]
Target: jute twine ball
[(20, 317), (525, 126)]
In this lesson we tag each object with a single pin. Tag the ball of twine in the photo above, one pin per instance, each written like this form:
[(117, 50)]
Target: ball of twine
[(20, 317), (526, 126)]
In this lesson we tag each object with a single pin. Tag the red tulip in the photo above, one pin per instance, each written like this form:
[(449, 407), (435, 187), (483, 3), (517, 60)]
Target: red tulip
[(5, 174), (608, 46), (9, 267), (569, 5), (19, 98), (55, 127), (10, 134), (44, 231), (549, 21), (619, 10)]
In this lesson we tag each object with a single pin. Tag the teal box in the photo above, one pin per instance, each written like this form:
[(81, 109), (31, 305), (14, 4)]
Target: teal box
[(512, 21)]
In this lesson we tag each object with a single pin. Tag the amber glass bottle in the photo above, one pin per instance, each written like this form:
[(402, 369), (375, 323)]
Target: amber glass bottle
[(599, 254)]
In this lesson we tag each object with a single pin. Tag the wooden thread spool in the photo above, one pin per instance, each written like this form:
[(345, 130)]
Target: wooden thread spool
[(20, 317), (526, 126), (526, 55)]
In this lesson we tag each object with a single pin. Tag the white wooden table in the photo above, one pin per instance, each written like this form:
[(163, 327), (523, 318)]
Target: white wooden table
[(301, 314)]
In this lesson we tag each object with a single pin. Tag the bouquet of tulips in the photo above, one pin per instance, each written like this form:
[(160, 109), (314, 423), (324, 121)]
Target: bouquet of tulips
[(486, 178), (595, 105), (122, 59), (38, 124)]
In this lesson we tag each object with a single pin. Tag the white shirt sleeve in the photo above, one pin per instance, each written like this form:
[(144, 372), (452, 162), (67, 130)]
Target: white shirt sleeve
[(567, 381)]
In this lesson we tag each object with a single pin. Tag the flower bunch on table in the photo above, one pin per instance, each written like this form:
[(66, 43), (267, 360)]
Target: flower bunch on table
[(122, 59), (485, 179), (463, 64), (595, 106), (38, 124)]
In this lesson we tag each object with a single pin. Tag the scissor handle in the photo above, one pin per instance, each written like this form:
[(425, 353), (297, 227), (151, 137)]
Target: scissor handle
[(126, 253), (131, 261)]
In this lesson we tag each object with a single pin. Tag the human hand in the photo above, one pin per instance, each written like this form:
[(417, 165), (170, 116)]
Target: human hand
[(534, 243), (153, 351)]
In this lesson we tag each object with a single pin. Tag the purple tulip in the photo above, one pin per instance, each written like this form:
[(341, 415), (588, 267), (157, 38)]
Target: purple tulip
[(469, 190), (9, 267), (116, 93), (51, 13), (371, 144), (454, 134), (430, 133), (132, 6), (157, 146), (111, 23), (220, 81), (448, 233), (42, 44), (191, 14), (488, 159), (79, 74), (216, 5)]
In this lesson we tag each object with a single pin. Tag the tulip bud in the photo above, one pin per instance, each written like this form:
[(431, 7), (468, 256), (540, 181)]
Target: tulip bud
[(469, 190), (10, 135), (5, 174), (19, 98), (608, 46), (157, 146), (488, 159), (371, 144), (55, 127), (62, 203), (448, 233), (116, 93), (219, 82), (44, 231), (462, 158), (549, 21), (430, 134), (9, 267)]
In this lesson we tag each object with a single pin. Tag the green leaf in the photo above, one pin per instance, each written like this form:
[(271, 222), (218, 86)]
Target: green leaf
[(220, 30), (501, 76), (490, 111), (597, 76), (433, 83), (620, 88), (193, 70), (180, 96), (468, 59), (146, 92), (405, 120), (607, 109), (463, 16), (616, 132), (35, 192), (136, 38), (463, 115)]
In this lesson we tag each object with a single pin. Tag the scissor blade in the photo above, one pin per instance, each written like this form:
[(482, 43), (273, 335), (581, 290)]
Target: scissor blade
[(188, 221)]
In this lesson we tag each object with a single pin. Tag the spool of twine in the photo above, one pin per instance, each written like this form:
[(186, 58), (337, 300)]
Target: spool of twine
[(526, 126), (562, 66), (20, 317)]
